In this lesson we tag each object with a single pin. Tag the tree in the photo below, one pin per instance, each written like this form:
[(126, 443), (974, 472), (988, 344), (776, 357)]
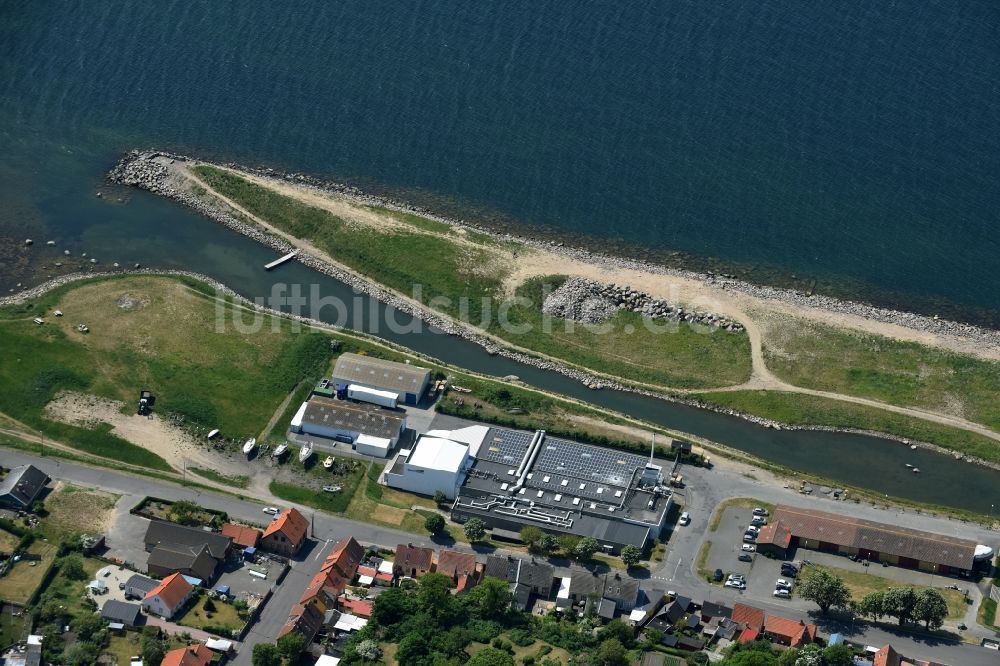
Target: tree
[(568, 542), (72, 568), (874, 605), (265, 654), (585, 548), (369, 649), (825, 590), (930, 608), (810, 655), (491, 597), (209, 605), (391, 607), (490, 656), (612, 653), (900, 603), (434, 523), (838, 655), (411, 649), (440, 497), (617, 629), (290, 646), (153, 648), (81, 653), (631, 555), (434, 596), (530, 534), (547, 543), (475, 530), (89, 628)]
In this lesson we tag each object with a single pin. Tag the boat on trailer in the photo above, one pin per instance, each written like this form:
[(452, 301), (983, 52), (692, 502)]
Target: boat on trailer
[(280, 451), (213, 433), (250, 445)]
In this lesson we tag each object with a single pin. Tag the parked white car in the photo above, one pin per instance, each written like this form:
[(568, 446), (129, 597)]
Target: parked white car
[(783, 584), (737, 584), (273, 510), (749, 547), (760, 511), (784, 594), (685, 519), (753, 528)]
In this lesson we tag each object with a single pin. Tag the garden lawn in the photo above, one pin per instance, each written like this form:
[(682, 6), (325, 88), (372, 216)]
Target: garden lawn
[(223, 617), (75, 510), (24, 577)]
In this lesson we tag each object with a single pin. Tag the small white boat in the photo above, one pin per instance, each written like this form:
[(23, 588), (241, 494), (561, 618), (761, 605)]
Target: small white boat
[(909, 465), (916, 470), (913, 447), (58, 313), (250, 445), (305, 452), (328, 463), (460, 389), (280, 451), (213, 433)]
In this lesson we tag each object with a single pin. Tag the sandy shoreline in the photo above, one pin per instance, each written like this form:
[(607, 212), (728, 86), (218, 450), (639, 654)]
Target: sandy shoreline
[(728, 296)]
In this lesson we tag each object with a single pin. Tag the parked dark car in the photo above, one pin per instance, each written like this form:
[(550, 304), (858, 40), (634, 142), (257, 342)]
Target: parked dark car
[(745, 557), (717, 576)]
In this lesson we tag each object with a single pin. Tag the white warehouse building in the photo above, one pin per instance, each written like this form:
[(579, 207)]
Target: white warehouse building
[(438, 461), (408, 382), (372, 430)]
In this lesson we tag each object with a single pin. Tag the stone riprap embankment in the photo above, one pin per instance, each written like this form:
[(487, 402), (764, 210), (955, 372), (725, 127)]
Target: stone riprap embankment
[(981, 337), (592, 302)]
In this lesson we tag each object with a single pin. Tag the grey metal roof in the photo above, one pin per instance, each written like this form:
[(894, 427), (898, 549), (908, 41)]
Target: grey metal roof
[(381, 373), (22, 485), (140, 582), (181, 557), (120, 611), (354, 417), (162, 531)]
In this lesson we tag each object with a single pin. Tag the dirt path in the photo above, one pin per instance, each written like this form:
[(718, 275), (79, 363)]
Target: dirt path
[(151, 433), (278, 412), (692, 293)]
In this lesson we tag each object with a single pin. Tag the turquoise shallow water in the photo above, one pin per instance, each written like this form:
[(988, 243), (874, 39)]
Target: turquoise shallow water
[(857, 144)]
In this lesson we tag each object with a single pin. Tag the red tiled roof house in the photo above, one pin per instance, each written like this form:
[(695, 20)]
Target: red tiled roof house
[(286, 533)]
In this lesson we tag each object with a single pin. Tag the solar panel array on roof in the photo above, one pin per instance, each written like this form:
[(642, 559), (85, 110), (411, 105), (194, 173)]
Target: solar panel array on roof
[(605, 466), (505, 446)]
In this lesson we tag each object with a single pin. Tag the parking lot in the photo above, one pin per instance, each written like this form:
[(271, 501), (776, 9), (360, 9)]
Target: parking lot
[(727, 545)]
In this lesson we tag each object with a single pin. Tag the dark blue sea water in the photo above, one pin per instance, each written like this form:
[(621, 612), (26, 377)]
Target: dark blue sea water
[(852, 143)]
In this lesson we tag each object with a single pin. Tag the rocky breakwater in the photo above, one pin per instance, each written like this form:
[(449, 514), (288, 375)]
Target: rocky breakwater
[(594, 302)]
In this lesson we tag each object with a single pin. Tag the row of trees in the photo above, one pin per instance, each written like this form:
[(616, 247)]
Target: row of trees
[(580, 548), (762, 653), (906, 604), (288, 648)]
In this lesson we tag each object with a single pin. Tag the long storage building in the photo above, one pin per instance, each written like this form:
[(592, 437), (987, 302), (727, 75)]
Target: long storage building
[(409, 382)]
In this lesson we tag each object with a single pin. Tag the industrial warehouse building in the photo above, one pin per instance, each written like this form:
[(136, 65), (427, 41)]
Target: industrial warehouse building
[(510, 479), (438, 461), (792, 527), (408, 381), (373, 430)]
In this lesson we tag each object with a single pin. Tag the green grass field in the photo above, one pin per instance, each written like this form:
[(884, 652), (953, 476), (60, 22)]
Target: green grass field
[(464, 269), (224, 617), (893, 371), (396, 258), (797, 409), (164, 339), (678, 356)]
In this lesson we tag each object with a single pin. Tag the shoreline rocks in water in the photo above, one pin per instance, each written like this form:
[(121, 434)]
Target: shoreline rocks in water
[(592, 302)]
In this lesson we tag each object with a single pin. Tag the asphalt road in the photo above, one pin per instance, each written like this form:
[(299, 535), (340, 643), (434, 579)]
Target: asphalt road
[(706, 489)]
